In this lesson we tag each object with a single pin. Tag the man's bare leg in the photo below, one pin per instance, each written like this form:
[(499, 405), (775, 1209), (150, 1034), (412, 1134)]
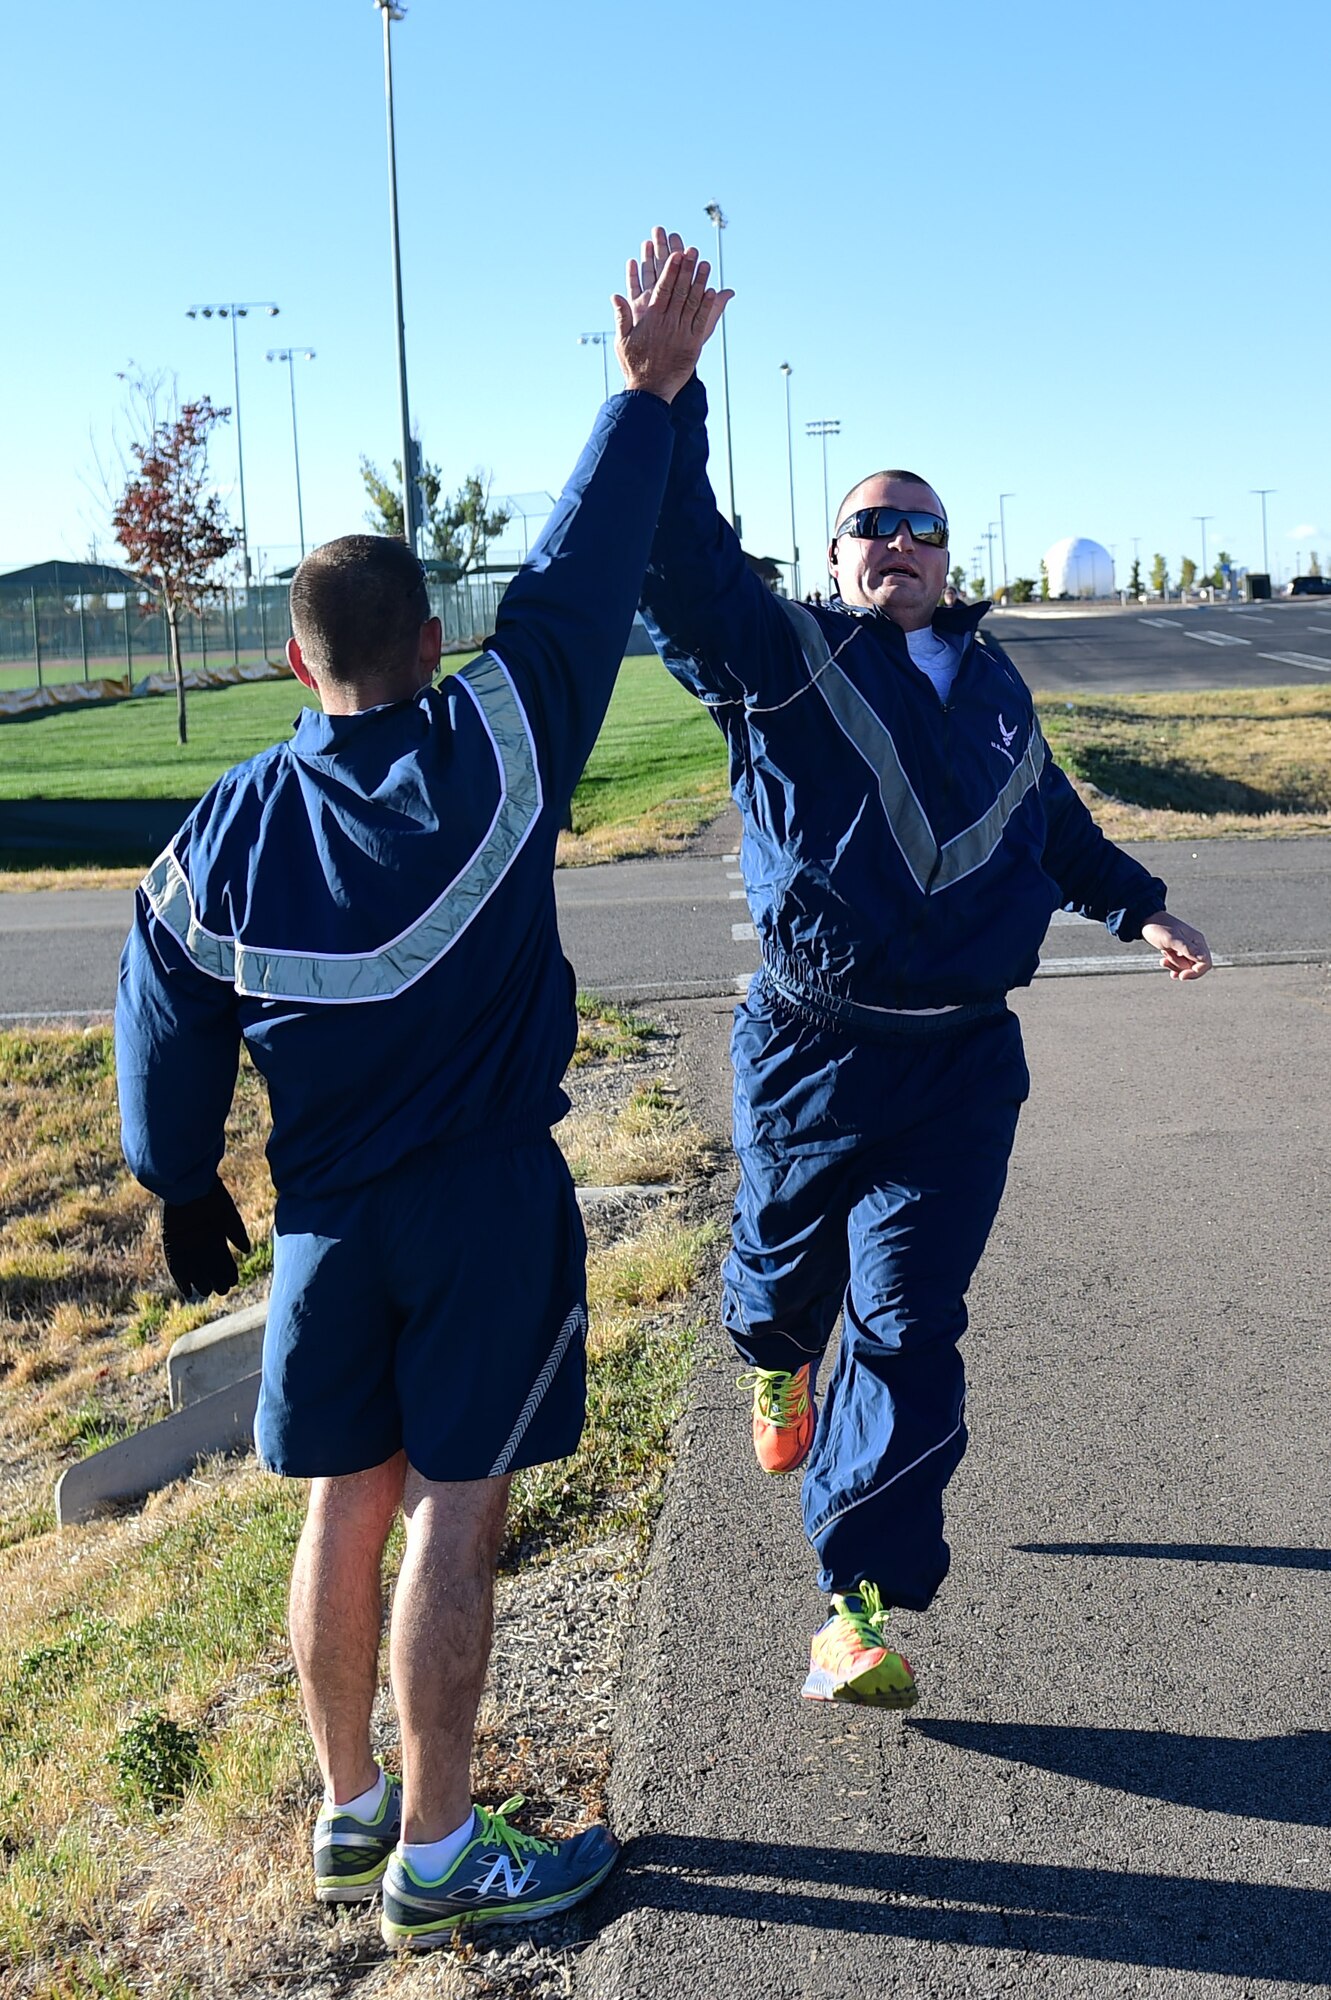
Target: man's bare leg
[(442, 1624), (336, 1612)]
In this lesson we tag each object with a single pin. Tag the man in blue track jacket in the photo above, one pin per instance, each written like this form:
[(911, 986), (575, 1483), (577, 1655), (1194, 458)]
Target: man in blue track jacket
[(370, 908), (906, 837)]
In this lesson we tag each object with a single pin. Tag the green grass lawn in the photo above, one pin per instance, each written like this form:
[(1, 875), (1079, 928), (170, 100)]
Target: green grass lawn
[(659, 761)]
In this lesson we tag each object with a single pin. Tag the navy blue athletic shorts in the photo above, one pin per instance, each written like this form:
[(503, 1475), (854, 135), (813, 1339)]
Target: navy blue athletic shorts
[(440, 1310)]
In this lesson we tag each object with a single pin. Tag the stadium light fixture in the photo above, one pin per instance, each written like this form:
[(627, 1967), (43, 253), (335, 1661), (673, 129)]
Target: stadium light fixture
[(290, 355), (824, 428), (1264, 490), (411, 506), (233, 312), (1002, 531), (719, 222), (603, 341), (787, 371)]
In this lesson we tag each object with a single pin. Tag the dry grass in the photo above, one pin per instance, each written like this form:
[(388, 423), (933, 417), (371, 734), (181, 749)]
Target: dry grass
[(179, 1606), (642, 1143), (68, 878), (1238, 762)]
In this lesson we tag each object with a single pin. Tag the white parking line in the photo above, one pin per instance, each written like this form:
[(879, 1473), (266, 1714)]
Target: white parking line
[(744, 934), (1219, 638), (1298, 660)]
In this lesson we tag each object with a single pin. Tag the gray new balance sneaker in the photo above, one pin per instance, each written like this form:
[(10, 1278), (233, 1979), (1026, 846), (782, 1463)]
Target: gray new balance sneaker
[(501, 1877), (350, 1854)]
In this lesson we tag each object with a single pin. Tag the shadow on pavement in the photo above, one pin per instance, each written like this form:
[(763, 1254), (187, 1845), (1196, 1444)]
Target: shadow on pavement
[(1286, 1778), (1239, 1928), (1196, 1552)]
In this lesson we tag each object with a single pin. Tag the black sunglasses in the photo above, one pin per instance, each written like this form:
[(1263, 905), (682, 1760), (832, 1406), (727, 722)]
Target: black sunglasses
[(868, 524)]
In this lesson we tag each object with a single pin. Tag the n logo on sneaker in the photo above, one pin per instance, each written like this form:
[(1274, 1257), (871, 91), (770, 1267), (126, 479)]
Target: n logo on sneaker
[(514, 1884)]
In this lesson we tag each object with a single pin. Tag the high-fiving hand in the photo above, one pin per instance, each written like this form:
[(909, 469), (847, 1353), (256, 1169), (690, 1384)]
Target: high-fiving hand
[(668, 317)]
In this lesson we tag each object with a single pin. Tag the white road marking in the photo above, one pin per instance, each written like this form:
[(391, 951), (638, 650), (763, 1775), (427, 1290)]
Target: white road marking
[(733, 875), (1168, 624), (1318, 628), (744, 934), (737, 895), (730, 857), (1253, 618), (1219, 638), (1298, 660)]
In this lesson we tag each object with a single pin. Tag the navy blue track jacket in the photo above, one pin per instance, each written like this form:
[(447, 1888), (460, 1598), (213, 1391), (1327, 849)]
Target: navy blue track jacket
[(370, 905), (898, 851)]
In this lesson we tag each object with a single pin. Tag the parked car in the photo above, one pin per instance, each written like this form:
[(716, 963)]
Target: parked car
[(1311, 586)]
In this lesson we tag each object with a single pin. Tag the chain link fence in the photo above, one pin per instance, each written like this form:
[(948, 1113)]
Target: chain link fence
[(48, 638)]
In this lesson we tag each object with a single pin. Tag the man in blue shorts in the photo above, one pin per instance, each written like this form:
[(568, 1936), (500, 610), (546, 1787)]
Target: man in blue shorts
[(369, 907), (906, 836)]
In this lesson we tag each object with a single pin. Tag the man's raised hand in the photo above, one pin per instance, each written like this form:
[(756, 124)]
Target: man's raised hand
[(668, 317)]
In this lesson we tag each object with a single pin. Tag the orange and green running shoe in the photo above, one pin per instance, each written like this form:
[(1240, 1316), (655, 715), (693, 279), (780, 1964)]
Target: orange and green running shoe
[(783, 1416), (850, 1659)]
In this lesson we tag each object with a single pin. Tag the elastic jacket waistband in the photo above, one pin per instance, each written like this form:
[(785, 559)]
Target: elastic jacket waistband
[(832, 1010)]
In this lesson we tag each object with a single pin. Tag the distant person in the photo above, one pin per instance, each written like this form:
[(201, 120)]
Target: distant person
[(370, 909), (814, 597), (906, 837), (951, 595)]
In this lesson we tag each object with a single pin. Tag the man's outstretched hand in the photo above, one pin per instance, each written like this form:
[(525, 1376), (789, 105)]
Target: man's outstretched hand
[(195, 1240), (668, 317), (1184, 952)]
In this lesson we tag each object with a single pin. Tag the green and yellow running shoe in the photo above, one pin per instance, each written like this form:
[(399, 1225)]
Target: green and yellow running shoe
[(850, 1659), (501, 1877), (350, 1854), (783, 1416)]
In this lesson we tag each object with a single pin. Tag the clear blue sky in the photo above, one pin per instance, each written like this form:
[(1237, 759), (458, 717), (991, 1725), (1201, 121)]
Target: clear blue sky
[(1071, 253)]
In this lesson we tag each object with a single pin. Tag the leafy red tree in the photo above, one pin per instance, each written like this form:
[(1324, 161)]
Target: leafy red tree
[(170, 526)]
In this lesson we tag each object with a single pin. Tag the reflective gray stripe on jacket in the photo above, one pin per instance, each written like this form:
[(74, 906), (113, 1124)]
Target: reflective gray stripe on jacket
[(933, 867), (339, 978)]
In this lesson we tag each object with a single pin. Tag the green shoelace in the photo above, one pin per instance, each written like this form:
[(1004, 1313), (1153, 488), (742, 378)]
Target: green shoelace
[(866, 1615), (493, 1828), (781, 1400)]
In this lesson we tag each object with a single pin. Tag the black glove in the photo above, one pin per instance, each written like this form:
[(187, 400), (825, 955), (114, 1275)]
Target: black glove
[(195, 1235)]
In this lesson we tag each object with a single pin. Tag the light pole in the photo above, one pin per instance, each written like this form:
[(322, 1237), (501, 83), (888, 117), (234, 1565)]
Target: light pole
[(824, 428), (411, 506), (1203, 518), (233, 313), (989, 537), (603, 341), (289, 354), (1263, 490), (718, 222), (1002, 530), (790, 473)]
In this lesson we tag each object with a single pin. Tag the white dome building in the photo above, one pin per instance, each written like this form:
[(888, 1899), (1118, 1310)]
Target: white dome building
[(1079, 568)]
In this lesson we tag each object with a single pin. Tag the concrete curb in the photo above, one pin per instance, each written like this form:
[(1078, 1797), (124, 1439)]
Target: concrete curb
[(215, 1356), (169, 1450), (213, 1381)]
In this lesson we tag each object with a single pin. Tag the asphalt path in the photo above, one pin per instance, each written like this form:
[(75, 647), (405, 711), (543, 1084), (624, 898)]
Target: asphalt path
[(638, 931), (1158, 648), (1118, 1777)]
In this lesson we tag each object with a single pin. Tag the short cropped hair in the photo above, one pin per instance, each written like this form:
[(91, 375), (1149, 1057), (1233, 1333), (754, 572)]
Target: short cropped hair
[(894, 472), (357, 607)]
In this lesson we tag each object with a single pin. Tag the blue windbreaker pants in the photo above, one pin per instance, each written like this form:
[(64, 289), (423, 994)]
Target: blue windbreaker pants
[(871, 1169)]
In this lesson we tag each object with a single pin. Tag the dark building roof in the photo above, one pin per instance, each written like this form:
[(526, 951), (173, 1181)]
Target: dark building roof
[(69, 579)]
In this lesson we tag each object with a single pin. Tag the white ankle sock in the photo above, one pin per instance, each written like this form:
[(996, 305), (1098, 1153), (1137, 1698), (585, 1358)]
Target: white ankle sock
[(366, 1805), (429, 1859)]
